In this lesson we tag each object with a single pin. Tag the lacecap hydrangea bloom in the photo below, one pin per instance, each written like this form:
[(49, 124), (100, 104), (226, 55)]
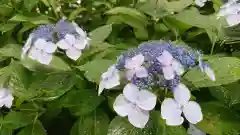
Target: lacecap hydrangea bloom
[(155, 65), (41, 43)]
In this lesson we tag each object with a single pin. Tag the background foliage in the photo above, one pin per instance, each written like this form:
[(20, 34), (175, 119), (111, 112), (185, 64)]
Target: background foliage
[(61, 98)]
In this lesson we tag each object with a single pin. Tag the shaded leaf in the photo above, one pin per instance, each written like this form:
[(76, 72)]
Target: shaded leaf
[(95, 123), (100, 34), (218, 120), (33, 129), (91, 72)]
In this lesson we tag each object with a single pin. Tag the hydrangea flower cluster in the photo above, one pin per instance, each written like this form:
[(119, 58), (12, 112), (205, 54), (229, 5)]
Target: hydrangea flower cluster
[(231, 11), (43, 41), (155, 65)]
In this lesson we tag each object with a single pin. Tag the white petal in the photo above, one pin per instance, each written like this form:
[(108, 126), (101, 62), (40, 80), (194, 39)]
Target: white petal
[(130, 92), (26, 46), (81, 43), (34, 53), (201, 64), (141, 72), (121, 105), (40, 43), (129, 74), (101, 87), (175, 122), (233, 20), (45, 58), (70, 39), (166, 58), (73, 53), (79, 30), (199, 3), (192, 112), (112, 81), (50, 47), (146, 100), (170, 109), (63, 44), (210, 73), (168, 73), (177, 67), (8, 101), (192, 130), (134, 62), (138, 117), (181, 94)]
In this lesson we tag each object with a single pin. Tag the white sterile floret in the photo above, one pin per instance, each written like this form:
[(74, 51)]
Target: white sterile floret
[(171, 109), (42, 51), (205, 68), (170, 65), (74, 44), (192, 130), (135, 104), (6, 97), (27, 46), (134, 66), (109, 79), (231, 11), (200, 3)]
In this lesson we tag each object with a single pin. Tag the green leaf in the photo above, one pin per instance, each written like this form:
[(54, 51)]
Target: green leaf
[(127, 11), (56, 64), (95, 123), (37, 19), (33, 129), (75, 13), (219, 120), (154, 8), (80, 102), (175, 130), (100, 34), (91, 72), (121, 126), (14, 120), (226, 69), (4, 75), (53, 85), (5, 131), (29, 4), (11, 50), (176, 6), (193, 17), (228, 94), (7, 27), (19, 81), (141, 33)]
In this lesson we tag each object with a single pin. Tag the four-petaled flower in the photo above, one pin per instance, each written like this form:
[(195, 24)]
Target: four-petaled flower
[(170, 65), (42, 51), (135, 104), (74, 44), (6, 97), (192, 130), (134, 66), (171, 109), (109, 79)]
